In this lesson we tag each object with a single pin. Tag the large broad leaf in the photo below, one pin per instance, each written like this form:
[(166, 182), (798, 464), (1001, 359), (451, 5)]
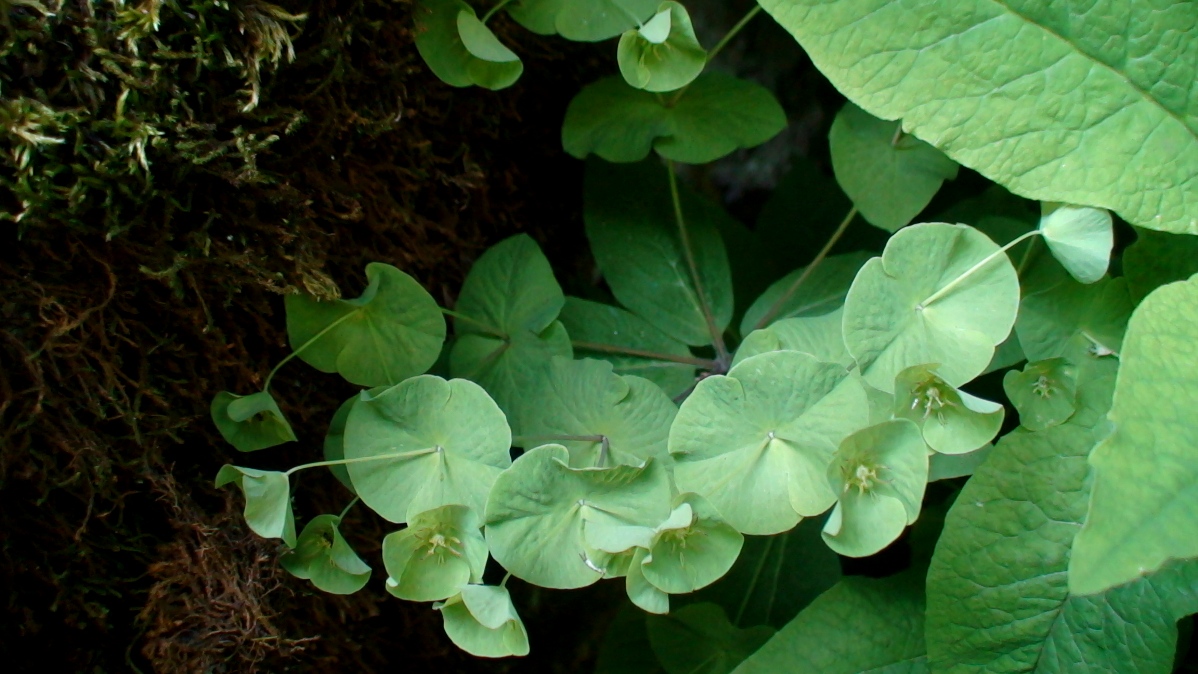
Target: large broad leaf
[(861, 625), (713, 117), (631, 225), (940, 294), (322, 556), (483, 622), (267, 501), (252, 422), (393, 331), (952, 421), (822, 292), (508, 335), (630, 343), (889, 175), (1060, 317), (1080, 238), (439, 552), (663, 54), (757, 443), (1040, 97), (617, 419), (819, 336), (699, 639), (998, 587), (1157, 258), (539, 509), (1145, 505), (425, 443), (582, 20), (460, 49)]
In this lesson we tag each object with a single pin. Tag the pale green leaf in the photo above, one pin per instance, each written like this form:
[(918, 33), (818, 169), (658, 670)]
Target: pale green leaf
[(645, 595), (252, 422), (949, 466), (1157, 258), (322, 556), (494, 66), (890, 176), (483, 622), (334, 443), (459, 49), (1073, 103), (819, 336), (582, 20), (1080, 238), (1060, 317), (267, 500), (699, 639), (694, 555), (1045, 393), (439, 552), (822, 292), (664, 54), (952, 421)]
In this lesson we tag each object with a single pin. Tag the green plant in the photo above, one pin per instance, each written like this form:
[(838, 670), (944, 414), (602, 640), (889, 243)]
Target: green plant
[(674, 438)]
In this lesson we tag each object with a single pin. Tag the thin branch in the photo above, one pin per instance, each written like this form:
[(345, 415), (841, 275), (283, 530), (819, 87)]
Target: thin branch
[(639, 353), (732, 32), (310, 342), (717, 338), (970, 272)]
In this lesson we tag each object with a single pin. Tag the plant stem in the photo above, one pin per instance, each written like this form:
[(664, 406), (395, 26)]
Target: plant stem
[(351, 504), (969, 272), (639, 353), (500, 5), (719, 46), (484, 328), (1027, 258), (898, 136), (503, 583), (296, 352), (527, 439), (778, 304), (717, 339), (364, 459)]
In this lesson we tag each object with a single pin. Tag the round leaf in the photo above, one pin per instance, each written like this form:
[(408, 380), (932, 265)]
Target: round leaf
[(494, 66), (887, 326), (1045, 393), (663, 54), (581, 20), (819, 336), (714, 116), (757, 442), (267, 501), (393, 331), (483, 622), (692, 554), (539, 507), (425, 443), (952, 421), (439, 553), (459, 49), (322, 556), (1080, 238), (252, 422)]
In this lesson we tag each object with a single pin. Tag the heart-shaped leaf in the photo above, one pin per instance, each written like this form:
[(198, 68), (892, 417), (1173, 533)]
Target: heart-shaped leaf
[(819, 336), (952, 421), (1045, 393), (618, 419), (425, 443), (539, 508), (663, 54), (252, 422), (1080, 238), (879, 474), (713, 117), (940, 293), (890, 176), (267, 500), (1061, 317), (483, 622), (322, 556), (393, 331), (822, 292), (692, 553), (437, 555), (757, 443), (700, 638), (334, 443), (581, 20), (460, 49)]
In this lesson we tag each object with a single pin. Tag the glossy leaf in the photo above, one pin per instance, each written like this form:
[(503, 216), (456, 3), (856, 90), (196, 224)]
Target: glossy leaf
[(716, 115), (757, 442), (1157, 258), (694, 555), (460, 49), (887, 326), (322, 556), (267, 501), (890, 176), (952, 421), (1076, 104), (1045, 393), (663, 54), (393, 331), (822, 292), (439, 552), (425, 443), (1060, 317), (819, 336), (483, 622), (252, 422), (539, 508), (699, 639), (1080, 238), (582, 20)]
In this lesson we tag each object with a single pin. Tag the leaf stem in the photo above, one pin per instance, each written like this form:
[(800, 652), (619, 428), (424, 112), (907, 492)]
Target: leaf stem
[(296, 352), (527, 439), (491, 12), (364, 459), (972, 270), (717, 339), (640, 353), (484, 327), (779, 303), (1027, 258), (351, 504), (732, 32), (503, 583)]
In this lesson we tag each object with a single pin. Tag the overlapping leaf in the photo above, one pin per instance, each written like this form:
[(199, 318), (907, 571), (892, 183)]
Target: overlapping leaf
[(334, 443), (700, 639), (1045, 393), (694, 554), (267, 500), (819, 336), (252, 422), (483, 622), (663, 54), (1060, 317), (1080, 238), (460, 49), (322, 556), (1157, 258), (822, 292), (582, 20), (952, 421), (440, 552)]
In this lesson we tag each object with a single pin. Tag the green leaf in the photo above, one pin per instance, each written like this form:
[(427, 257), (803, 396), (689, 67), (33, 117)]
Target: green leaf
[(1080, 238), (879, 474), (1144, 510), (539, 508), (861, 625), (949, 466), (1045, 393), (1060, 317), (624, 419), (459, 49), (663, 54), (634, 237), (393, 331), (698, 639), (890, 324), (890, 176), (998, 587), (819, 336), (267, 500), (952, 421), (436, 556), (252, 422), (822, 292), (334, 443), (713, 117), (1045, 99), (645, 595), (581, 20), (757, 443), (625, 648), (425, 443), (686, 558), (323, 557), (483, 622), (1157, 258), (621, 337), (510, 301)]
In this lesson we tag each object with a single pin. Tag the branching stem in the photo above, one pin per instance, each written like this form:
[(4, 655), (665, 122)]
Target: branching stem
[(717, 338), (972, 270)]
